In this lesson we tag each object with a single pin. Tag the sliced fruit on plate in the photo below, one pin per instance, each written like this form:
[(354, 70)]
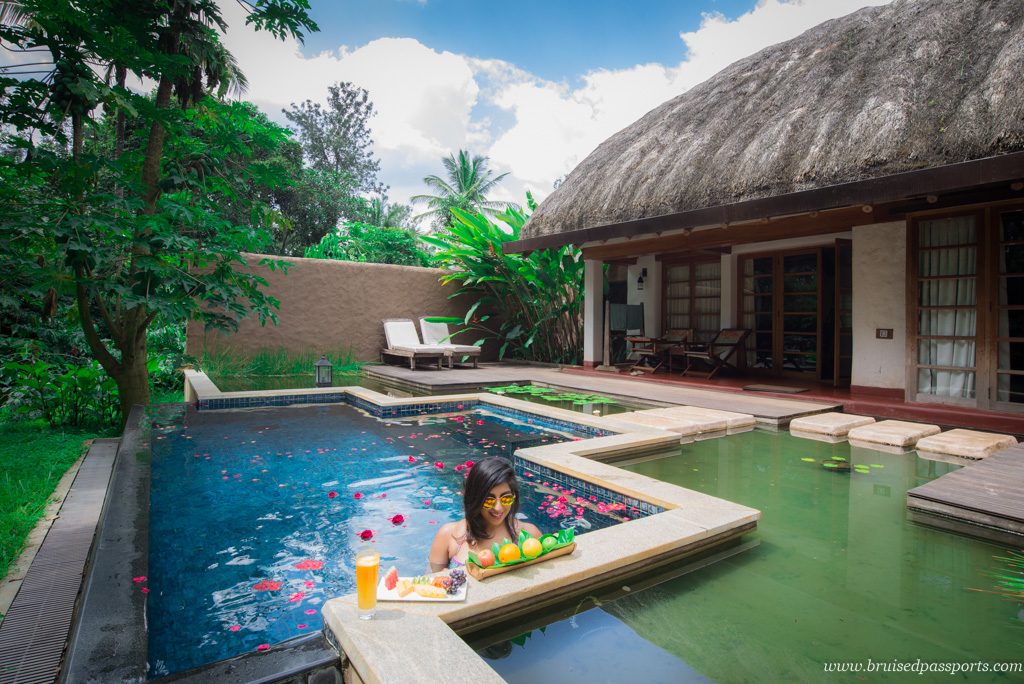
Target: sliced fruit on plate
[(404, 587), (391, 578), (430, 591)]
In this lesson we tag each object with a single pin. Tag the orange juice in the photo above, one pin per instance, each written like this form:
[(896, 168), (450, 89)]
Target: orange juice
[(367, 569)]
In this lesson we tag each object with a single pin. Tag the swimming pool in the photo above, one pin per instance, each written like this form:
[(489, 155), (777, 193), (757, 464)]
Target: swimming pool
[(255, 515), (840, 574)]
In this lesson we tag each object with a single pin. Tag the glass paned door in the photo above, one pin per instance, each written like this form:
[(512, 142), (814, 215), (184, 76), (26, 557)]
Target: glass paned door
[(947, 312), (677, 297), (1009, 386), (800, 313), (758, 288)]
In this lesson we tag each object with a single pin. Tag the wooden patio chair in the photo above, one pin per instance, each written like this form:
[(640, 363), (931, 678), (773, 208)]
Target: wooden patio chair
[(404, 341), (719, 351), (438, 335)]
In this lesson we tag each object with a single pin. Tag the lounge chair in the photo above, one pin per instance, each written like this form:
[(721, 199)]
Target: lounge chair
[(437, 335), (719, 351), (404, 341)]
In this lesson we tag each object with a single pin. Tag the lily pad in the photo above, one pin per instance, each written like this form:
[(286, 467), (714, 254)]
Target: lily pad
[(838, 458), (877, 465), (808, 460), (827, 464)]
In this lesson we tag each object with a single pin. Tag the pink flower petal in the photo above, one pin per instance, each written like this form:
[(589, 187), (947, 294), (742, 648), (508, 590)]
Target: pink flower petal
[(302, 625), (263, 647), (310, 584), (267, 585), (426, 502), (140, 578), (235, 628), (412, 459), (144, 590), (366, 535), (310, 611), (296, 597), (331, 495), (310, 564), (397, 519)]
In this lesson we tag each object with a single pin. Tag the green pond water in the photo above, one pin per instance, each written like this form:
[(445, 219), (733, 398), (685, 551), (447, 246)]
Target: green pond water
[(838, 574)]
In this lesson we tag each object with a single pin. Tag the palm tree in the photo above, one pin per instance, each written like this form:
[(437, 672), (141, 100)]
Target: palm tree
[(380, 212), (466, 186)]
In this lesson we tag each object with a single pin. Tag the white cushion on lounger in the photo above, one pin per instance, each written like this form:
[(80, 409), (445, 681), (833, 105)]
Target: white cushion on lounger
[(433, 333)]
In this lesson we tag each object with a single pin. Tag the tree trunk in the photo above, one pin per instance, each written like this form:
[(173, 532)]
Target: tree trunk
[(132, 378)]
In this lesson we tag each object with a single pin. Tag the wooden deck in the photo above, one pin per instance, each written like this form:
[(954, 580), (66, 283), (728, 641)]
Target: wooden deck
[(984, 499)]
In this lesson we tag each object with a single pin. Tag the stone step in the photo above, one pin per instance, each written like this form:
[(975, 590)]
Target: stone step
[(828, 427), (891, 435), (966, 443)]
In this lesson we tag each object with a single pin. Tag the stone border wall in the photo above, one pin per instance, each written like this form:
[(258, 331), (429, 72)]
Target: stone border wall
[(331, 306)]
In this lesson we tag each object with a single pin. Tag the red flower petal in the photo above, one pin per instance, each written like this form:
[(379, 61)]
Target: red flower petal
[(439, 465), (357, 495), (263, 647), (397, 519), (267, 585), (310, 611), (412, 459), (297, 596), (310, 584), (302, 625), (144, 590), (366, 535), (140, 578), (310, 564), (469, 464), (331, 495), (235, 628)]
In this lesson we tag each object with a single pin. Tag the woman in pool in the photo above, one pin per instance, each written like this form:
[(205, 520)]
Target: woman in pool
[(490, 503)]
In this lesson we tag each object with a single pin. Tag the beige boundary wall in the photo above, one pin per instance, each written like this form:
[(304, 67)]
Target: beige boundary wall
[(330, 306)]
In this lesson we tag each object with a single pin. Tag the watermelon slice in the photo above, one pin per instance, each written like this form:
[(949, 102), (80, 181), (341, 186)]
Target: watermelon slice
[(391, 578)]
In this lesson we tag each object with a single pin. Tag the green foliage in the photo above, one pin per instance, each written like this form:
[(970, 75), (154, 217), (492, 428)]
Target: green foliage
[(336, 138), (131, 213), (33, 457), (465, 187), (273, 362), (537, 297), (373, 244)]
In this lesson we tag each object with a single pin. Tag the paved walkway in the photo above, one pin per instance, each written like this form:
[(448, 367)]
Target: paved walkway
[(769, 411)]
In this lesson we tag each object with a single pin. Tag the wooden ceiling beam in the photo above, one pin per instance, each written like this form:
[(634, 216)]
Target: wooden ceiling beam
[(720, 238)]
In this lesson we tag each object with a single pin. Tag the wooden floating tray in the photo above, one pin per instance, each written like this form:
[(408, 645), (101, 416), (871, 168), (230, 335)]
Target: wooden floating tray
[(483, 573)]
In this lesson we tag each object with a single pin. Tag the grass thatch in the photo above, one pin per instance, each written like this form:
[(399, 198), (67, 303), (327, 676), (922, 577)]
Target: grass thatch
[(911, 85)]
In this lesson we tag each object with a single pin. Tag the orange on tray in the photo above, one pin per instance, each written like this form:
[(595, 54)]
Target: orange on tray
[(508, 553)]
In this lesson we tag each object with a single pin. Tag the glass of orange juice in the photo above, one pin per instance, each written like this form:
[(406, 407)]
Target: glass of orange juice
[(367, 570)]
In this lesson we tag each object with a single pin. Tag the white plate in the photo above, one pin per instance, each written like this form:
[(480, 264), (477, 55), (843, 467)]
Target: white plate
[(384, 594)]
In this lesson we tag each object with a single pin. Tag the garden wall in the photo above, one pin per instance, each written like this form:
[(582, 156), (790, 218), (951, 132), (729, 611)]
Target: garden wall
[(331, 306)]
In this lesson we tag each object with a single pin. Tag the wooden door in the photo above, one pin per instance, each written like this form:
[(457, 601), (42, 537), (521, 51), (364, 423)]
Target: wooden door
[(1006, 391)]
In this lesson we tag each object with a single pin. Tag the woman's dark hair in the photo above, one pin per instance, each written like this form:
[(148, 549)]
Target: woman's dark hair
[(483, 477)]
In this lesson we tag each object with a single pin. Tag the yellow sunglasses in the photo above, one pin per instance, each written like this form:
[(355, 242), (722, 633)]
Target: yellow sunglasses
[(506, 500)]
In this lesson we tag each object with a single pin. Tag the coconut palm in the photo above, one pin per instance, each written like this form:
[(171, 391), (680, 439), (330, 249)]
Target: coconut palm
[(381, 213), (467, 183)]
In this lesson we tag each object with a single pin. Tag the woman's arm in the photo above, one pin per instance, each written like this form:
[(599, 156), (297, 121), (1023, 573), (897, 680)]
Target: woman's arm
[(532, 529), (438, 558)]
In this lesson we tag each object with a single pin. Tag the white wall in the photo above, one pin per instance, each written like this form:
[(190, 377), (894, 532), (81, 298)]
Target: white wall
[(593, 312), (879, 301), (650, 296)]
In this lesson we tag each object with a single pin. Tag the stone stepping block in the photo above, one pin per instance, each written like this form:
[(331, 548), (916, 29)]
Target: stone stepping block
[(831, 425), (966, 443), (686, 428), (895, 434), (733, 421)]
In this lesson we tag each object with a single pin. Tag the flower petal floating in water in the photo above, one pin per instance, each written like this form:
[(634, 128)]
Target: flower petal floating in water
[(302, 625), (310, 584), (426, 502), (144, 590), (310, 611), (263, 647), (331, 495), (267, 585), (366, 535), (296, 597), (469, 464), (235, 628), (439, 465), (458, 468), (412, 459), (397, 519), (310, 564), (357, 495), (140, 578)]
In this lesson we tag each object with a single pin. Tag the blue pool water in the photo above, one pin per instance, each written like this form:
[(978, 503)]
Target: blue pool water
[(255, 515)]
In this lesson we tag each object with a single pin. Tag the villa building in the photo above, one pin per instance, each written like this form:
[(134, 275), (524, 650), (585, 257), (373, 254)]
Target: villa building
[(854, 197)]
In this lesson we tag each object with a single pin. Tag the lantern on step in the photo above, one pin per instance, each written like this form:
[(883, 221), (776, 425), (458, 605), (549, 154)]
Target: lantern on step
[(323, 370)]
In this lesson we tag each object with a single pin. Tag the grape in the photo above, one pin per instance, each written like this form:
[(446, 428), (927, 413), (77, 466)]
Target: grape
[(458, 578)]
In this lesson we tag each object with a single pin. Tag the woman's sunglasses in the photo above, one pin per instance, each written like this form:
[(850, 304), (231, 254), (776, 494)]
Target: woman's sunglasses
[(506, 500)]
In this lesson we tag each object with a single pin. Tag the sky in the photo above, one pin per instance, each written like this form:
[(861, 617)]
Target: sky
[(532, 85)]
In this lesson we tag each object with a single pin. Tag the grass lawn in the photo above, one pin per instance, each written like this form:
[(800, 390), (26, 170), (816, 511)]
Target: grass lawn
[(33, 457)]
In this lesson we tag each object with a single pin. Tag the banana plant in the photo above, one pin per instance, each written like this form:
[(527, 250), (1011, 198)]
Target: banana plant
[(530, 304)]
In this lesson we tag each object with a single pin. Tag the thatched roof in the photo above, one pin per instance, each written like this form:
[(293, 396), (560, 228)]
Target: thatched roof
[(885, 90)]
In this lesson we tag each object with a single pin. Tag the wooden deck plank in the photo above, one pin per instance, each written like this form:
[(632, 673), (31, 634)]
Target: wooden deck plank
[(989, 493)]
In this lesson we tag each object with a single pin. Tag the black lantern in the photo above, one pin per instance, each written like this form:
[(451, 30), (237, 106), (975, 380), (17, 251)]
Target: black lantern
[(323, 369), (640, 280)]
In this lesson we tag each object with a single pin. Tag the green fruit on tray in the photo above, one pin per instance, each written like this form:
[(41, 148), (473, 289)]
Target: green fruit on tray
[(548, 542)]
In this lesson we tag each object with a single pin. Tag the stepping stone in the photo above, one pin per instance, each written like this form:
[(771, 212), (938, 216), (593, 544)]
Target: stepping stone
[(832, 426), (895, 434), (686, 428), (966, 443), (733, 421)]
